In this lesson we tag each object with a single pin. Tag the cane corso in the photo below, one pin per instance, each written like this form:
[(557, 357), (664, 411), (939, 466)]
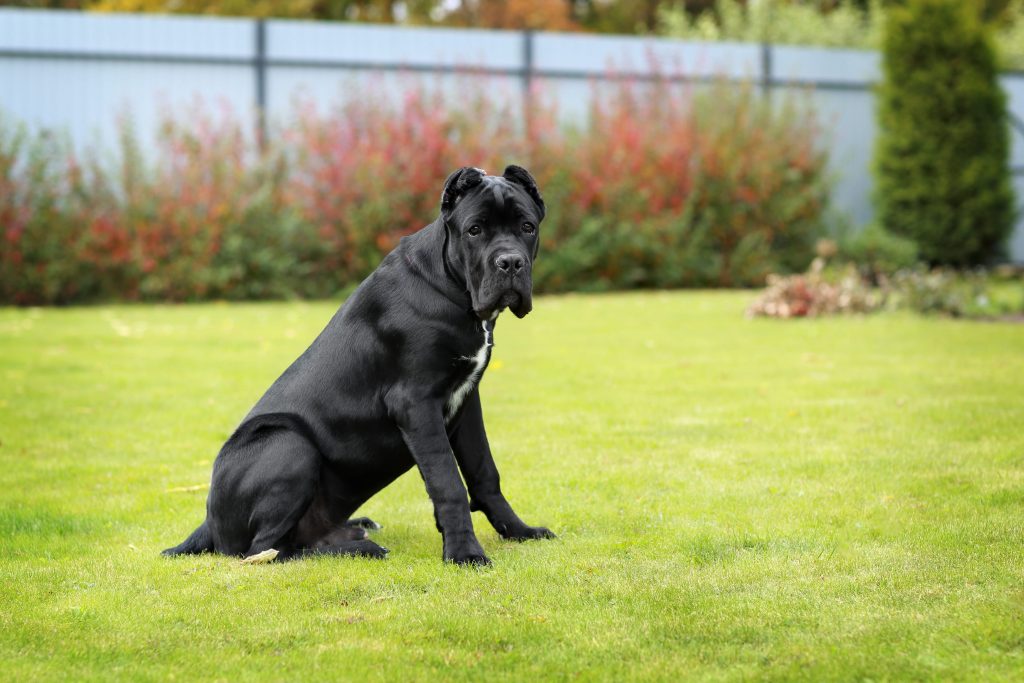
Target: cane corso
[(391, 382)]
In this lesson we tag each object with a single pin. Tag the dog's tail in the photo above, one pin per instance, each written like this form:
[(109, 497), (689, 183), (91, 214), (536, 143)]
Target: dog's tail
[(200, 541)]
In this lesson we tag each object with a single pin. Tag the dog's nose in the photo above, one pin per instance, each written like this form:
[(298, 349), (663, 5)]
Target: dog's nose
[(509, 263)]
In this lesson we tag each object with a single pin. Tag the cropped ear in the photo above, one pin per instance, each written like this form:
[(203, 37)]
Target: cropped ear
[(522, 177), (457, 184)]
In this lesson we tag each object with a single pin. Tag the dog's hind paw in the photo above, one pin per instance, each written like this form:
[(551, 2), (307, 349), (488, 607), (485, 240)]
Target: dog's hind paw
[(364, 523), (370, 549), (362, 548)]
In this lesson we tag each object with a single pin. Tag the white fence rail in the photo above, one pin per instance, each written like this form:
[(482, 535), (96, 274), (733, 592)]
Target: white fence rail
[(79, 72)]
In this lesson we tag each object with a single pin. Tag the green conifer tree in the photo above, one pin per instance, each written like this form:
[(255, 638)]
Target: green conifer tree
[(941, 160)]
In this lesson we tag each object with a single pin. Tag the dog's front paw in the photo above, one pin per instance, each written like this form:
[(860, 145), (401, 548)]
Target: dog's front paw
[(527, 533), (472, 559), (465, 551)]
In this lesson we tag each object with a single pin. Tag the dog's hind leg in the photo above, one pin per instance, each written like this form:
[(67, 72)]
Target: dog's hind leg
[(198, 542), (261, 489)]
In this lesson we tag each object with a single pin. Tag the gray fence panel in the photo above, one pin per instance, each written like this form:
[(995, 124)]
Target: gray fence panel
[(595, 56), (1016, 246), (837, 82), (848, 120), (825, 67), (292, 87), (82, 72), (113, 34), (571, 69), (320, 65), (1014, 87), (87, 98), (365, 45)]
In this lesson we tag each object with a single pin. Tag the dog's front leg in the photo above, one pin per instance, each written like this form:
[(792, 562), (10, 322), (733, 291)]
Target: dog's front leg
[(422, 426), (473, 452)]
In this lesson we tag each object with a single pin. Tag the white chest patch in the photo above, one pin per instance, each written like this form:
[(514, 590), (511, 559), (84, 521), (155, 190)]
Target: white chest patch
[(479, 361)]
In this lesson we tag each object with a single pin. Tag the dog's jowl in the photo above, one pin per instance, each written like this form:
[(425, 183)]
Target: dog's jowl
[(390, 383)]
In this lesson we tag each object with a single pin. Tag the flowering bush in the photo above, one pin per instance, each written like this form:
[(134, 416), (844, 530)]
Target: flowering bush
[(205, 218), (40, 247), (664, 186)]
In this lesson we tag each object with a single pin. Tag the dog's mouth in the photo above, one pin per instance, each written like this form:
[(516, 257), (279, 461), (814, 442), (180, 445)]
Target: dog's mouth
[(509, 298), (506, 300), (516, 301)]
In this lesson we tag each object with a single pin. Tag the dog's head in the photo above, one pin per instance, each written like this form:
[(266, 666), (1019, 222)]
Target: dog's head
[(493, 227)]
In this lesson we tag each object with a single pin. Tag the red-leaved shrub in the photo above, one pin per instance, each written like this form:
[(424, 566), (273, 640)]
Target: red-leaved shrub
[(371, 170), (663, 186), (667, 186)]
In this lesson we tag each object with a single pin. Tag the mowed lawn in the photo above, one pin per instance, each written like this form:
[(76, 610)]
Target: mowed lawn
[(839, 499)]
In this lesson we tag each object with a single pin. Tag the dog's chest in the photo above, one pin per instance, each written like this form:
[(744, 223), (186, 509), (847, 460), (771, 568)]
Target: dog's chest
[(472, 368)]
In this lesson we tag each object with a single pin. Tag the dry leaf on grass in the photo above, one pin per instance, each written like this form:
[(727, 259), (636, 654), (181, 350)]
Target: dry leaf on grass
[(188, 489), (811, 295), (261, 558)]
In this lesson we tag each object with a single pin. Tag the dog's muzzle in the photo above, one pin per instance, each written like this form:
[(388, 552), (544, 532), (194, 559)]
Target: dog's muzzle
[(508, 285)]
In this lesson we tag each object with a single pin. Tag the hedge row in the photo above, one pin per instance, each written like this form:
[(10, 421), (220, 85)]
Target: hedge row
[(664, 186)]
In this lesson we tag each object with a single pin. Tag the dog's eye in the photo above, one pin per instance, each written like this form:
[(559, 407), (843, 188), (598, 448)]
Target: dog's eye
[(529, 228), (474, 230)]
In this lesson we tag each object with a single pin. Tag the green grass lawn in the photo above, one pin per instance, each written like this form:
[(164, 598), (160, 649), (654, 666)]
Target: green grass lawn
[(835, 499)]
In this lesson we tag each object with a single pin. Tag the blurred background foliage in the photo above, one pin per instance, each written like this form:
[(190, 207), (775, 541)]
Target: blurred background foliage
[(840, 23), (662, 185)]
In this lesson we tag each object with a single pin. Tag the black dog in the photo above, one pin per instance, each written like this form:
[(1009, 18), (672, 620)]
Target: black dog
[(390, 383)]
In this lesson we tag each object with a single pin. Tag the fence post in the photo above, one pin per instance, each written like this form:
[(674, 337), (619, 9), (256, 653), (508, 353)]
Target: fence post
[(527, 82), (766, 51), (1017, 124), (260, 68), (766, 68)]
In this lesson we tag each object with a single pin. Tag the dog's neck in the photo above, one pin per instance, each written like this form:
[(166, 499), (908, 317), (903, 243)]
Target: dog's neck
[(427, 252)]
